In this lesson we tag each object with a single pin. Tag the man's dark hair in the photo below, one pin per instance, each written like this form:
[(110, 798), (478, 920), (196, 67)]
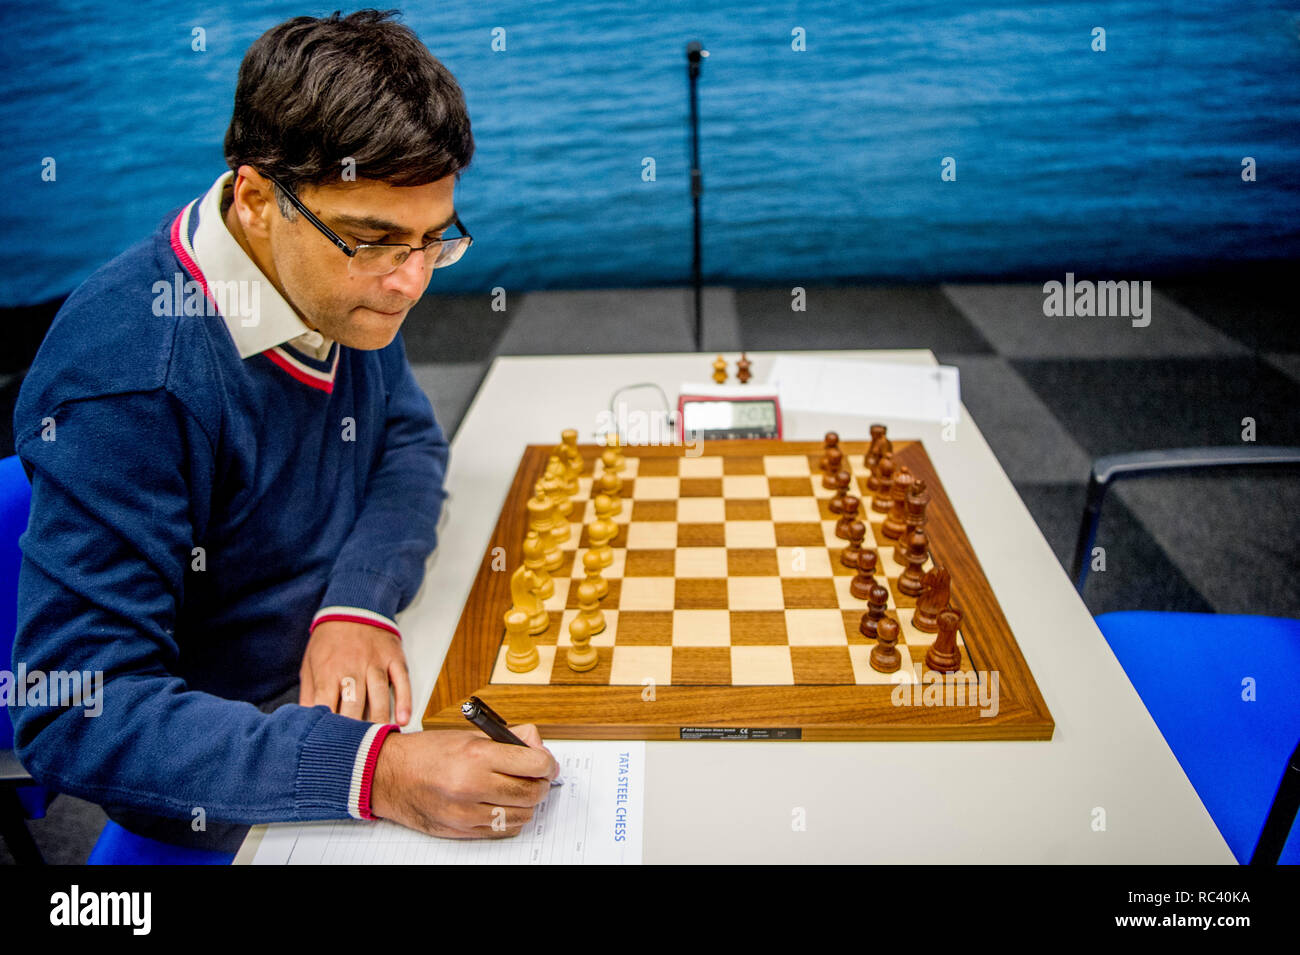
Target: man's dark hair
[(314, 93)]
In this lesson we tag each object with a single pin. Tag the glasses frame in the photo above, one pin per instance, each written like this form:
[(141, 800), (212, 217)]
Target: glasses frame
[(351, 253)]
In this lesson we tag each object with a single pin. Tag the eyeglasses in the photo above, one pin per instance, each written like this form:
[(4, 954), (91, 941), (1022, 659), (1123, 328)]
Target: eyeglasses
[(382, 258)]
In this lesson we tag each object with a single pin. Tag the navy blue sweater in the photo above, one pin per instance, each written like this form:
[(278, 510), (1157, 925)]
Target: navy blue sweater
[(194, 514)]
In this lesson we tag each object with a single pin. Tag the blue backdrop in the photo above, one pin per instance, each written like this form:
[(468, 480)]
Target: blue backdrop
[(820, 165)]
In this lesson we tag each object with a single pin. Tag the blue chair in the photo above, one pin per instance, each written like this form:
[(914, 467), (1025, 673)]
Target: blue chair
[(118, 846), (21, 798), (1201, 677)]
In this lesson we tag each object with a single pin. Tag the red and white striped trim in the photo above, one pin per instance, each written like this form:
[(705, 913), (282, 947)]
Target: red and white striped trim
[(355, 615), (324, 380), (363, 770), (184, 249)]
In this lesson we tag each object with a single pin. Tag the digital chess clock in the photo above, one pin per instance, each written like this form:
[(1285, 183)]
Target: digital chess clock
[(719, 412)]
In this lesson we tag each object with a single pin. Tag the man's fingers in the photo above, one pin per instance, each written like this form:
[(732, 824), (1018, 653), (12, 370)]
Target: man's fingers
[(306, 689), (352, 697), (502, 818), (531, 761), (326, 693), (401, 681), (377, 691), (530, 735)]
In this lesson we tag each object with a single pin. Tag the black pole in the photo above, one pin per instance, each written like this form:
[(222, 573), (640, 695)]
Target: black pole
[(694, 54)]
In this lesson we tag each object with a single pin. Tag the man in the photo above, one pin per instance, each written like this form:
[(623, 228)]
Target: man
[(236, 480)]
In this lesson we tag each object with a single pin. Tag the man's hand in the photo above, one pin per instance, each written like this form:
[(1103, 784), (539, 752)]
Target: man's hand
[(349, 665), (461, 785)]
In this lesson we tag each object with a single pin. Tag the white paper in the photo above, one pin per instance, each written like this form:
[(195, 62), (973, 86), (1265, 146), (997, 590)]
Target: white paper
[(870, 389), (596, 818)]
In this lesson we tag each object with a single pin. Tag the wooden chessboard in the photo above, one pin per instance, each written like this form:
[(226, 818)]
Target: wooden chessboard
[(729, 613)]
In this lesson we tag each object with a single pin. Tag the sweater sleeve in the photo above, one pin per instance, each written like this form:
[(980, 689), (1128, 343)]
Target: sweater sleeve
[(381, 564), (119, 484)]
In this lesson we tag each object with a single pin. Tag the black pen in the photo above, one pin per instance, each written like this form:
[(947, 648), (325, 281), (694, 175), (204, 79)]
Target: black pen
[(490, 722)]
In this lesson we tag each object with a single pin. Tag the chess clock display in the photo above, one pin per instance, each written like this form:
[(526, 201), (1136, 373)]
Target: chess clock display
[(715, 412)]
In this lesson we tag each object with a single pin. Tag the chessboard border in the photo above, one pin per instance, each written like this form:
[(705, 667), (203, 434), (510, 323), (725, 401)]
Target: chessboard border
[(820, 712)]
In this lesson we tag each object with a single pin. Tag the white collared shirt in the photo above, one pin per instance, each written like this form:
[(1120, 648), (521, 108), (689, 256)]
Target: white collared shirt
[(221, 258)]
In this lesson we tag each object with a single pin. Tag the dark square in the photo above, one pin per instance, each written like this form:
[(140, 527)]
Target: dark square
[(706, 593), (821, 665), (701, 487), (1251, 302), (1133, 405), (650, 563), (799, 535), (453, 328), (654, 511), (701, 666), (840, 317), (597, 676), (701, 535), (752, 628), (645, 628), (852, 625), (657, 467), (811, 593), (789, 486), (747, 510), (740, 464), (752, 562)]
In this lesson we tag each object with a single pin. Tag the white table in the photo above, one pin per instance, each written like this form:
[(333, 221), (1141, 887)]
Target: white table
[(861, 802)]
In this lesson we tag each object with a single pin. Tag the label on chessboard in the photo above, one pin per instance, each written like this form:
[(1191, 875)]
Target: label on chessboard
[(732, 732)]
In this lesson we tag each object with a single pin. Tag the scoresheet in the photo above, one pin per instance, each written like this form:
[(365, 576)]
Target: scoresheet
[(596, 817)]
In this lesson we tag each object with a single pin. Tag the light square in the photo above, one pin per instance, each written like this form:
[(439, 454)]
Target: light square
[(701, 562), (795, 510), (575, 527), (744, 486), (860, 655), (815, 628), (656, 489), (557, 600), (652, 535), (786, 465), (701, 628), (706, 467), (803, 562), (845, 599), (917, 638), (539, 675), (761, 666), (633, 666), (752, 593), (750, 534), (701, 510), (647, 593)]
